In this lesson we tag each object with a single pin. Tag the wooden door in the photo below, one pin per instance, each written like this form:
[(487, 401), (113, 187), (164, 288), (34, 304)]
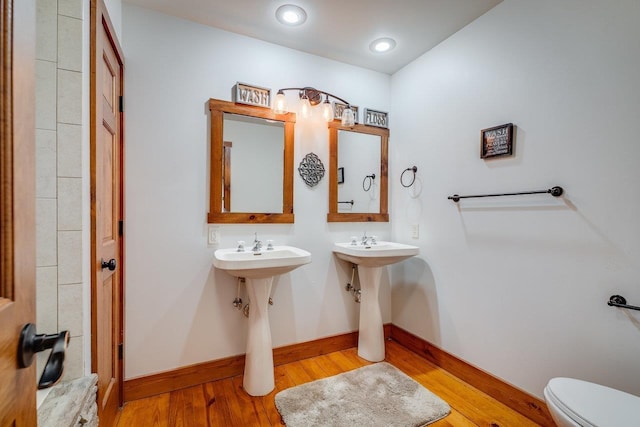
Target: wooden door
[(17, 207), (106, 213)]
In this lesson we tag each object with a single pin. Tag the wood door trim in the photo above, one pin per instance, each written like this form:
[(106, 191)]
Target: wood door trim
[(100, 20), (6, 151), (108, 25), (511, 396)]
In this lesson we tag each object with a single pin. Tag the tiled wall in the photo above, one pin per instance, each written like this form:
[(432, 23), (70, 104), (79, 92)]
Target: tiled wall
[(59, 176)]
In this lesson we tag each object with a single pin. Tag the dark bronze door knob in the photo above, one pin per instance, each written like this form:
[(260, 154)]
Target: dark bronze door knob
[(111, 264)]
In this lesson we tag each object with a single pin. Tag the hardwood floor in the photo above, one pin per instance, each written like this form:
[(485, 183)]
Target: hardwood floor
[(224, 402)]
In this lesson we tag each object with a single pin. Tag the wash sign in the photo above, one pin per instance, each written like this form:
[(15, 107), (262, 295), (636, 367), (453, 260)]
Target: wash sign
[(252, 95)]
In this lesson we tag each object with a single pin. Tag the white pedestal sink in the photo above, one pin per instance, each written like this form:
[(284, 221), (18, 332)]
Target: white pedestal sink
[(258, 269), (371, 259)]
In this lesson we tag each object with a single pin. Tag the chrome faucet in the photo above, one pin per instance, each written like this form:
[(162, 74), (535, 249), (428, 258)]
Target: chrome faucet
[(365, 239), (257, 244), (368, 240)]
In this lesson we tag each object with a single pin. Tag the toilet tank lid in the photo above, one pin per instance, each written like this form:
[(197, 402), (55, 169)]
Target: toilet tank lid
[(593, 404)]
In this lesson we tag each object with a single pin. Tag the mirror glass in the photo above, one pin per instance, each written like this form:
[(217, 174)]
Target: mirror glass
[(253, 155), (251, 167), (358, 172), (358, 185)]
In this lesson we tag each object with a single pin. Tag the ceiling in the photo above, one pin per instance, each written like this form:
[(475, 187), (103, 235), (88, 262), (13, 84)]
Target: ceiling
[(337, 29)]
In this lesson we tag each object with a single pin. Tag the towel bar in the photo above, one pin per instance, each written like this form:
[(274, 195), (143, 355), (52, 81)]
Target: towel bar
[(620, 301), (554, 191)]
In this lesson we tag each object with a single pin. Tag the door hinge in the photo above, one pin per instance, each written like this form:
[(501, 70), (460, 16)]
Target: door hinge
[(120, 351), (121, 104), (120, 228)]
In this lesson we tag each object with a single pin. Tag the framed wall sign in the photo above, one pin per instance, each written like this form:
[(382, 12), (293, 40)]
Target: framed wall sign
[(376, 118), (496, 141), (252, 95)]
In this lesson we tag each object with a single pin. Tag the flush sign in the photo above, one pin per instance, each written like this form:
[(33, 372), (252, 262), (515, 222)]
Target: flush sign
[(376, 118), (252, 95)]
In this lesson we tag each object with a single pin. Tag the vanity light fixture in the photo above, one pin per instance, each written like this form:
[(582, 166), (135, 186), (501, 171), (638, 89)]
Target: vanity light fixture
[(290, 14), (310, 97), (305, 106), (382, 45)]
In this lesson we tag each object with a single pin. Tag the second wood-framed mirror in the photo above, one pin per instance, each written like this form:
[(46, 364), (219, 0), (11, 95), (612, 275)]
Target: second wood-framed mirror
[(251, 172), (358, 173)]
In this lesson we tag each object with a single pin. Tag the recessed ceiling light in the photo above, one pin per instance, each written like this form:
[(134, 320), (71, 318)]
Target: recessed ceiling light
[(290, 14), (382, 45)]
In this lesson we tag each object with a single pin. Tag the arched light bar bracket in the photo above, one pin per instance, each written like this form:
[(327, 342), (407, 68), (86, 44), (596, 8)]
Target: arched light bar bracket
[(315, 97)]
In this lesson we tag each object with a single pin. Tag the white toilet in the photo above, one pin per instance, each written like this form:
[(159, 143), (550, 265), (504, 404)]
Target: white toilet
[(576, 403)]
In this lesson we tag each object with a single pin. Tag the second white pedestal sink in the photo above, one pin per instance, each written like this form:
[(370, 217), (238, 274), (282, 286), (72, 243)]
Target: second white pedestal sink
[(258, 269), (371, 259)]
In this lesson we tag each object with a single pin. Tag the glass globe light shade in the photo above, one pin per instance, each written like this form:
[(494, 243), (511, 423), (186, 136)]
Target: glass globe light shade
[(280, 103), (348, 118), (305, 107), (327, 111)]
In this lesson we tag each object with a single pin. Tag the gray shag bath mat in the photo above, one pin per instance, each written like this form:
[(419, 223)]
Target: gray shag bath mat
[(375, 395)]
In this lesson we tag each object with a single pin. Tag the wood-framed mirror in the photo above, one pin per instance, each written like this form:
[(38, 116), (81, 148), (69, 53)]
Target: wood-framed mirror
[(360, 152), (255, 184)]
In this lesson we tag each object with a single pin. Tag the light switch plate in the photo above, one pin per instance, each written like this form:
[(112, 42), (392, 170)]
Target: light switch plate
[(415, 231), (213, 235)]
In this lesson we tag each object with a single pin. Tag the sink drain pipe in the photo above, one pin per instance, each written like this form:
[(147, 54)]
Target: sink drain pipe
[(350, 287), (247, 307), (237, 303)]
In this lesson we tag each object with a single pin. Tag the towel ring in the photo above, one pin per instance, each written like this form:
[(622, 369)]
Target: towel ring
[(414, 169), (368, 179)]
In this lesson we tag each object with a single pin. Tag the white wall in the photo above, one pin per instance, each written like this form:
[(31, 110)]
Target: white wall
[(114, 7), (518, 286), (178, 307)]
